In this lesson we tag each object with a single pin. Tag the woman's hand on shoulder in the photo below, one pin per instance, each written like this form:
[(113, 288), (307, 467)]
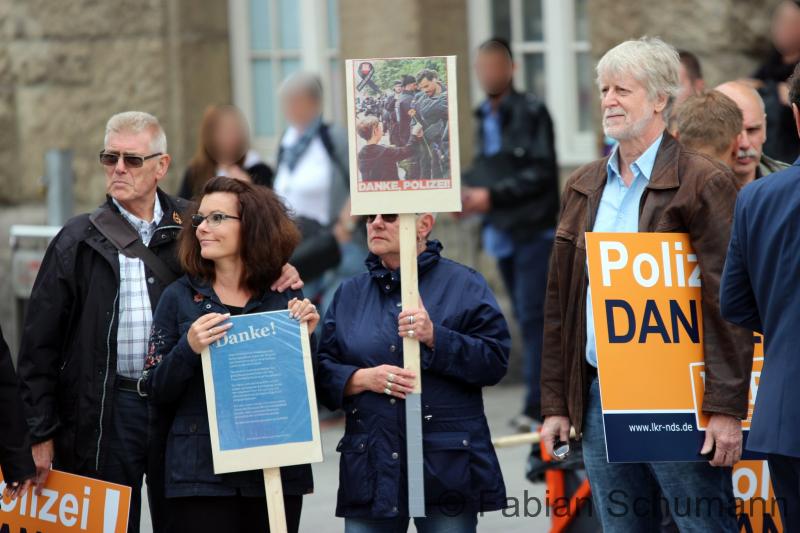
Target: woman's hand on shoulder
[(304, 311)]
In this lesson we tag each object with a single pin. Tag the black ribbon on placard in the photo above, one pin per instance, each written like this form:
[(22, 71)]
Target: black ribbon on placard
[(366, 71)]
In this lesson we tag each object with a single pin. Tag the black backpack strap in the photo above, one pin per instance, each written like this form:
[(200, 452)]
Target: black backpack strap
[(126, 240), (327, 142)]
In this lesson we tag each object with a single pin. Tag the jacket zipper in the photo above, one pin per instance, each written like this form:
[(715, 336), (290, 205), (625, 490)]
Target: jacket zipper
[(105, 380)]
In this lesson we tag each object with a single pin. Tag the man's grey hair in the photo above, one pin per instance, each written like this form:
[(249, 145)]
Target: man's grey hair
[(651, 61), (302, 83), (137, 122)]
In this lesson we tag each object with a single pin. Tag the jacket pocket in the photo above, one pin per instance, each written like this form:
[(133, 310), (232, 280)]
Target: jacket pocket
[(188, 457), (356, 474), (447, 466)]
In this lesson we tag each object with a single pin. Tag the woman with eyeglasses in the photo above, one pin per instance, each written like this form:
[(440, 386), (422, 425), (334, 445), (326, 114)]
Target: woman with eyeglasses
[(464, 346), (233, 251)]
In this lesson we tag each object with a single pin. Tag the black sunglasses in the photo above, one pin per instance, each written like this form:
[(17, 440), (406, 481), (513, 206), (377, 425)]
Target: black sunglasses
[(110, 159), (386, 218), (214, 219)]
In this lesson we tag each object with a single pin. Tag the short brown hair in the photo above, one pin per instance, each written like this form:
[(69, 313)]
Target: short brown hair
[(268, 236), (366, 126), (708, 121)]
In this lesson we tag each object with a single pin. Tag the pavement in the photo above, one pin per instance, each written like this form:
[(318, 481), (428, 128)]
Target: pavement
[(501, 403)]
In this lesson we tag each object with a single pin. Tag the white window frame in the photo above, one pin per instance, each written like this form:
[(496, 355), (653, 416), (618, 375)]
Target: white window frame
[(560, 51), (314, 55)]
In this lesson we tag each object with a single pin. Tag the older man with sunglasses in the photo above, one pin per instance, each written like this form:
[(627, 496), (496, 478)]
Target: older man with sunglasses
[(86, 332)]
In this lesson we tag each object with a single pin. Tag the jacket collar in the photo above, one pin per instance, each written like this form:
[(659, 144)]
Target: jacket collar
[(504, 109), (202, 291), (664, 175), (172, 208), (389, 280)]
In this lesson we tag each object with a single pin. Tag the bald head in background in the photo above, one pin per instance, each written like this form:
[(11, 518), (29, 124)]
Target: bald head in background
[(751, 143)]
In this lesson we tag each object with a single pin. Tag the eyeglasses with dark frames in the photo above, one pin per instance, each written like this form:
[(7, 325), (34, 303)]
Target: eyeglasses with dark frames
[(110, 159), (214, 219)]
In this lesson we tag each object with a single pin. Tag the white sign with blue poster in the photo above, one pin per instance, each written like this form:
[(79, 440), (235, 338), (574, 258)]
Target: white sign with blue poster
[(259, 382)]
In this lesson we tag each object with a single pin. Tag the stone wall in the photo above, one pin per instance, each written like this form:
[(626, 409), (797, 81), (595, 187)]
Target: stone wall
[(65, 67), (728, 36)]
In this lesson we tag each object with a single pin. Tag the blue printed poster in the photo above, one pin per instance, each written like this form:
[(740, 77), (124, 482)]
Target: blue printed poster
[(259, 382)]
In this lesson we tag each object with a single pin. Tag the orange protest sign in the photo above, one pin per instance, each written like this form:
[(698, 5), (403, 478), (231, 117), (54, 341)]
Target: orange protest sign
[(646, 304), (756, 506), (68, 503)]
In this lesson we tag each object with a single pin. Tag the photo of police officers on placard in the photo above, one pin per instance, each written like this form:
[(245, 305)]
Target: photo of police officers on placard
[(402, 123)]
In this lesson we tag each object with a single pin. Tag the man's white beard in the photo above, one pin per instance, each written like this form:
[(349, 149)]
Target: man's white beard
[(626, 132)]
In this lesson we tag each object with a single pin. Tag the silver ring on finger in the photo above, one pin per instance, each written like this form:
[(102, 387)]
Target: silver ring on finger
[(389, 385), (390, 377), (411, 319), (411, 333), (387, 391)]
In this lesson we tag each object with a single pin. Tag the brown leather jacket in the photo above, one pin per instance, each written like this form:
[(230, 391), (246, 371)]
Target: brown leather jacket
[(688, 193)]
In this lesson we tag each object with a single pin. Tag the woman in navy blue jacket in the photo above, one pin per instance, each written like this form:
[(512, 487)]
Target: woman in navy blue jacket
[(226, 275), (464, 344)]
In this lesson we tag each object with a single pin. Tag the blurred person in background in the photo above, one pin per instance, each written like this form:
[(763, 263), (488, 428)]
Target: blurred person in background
[(710, 123), (691, 81), (751, 162), (513, 184), (770, 80), (223, 149), (313, 179), (690, 76)]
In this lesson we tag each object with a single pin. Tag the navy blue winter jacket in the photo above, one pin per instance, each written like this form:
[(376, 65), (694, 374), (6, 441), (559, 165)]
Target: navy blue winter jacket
[(471, 348)]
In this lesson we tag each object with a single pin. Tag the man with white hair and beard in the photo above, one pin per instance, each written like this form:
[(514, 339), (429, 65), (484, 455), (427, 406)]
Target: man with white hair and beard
[(751, 163), (649, 183)]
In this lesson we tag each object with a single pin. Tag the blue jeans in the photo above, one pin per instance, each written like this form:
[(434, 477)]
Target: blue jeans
[(435, 522), (630, 497), (525, 276)]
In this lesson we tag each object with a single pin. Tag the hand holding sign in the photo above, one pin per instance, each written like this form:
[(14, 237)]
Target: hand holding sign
[(415, 323), (207, 329), (43, 454), (724, 437), (304, 311)]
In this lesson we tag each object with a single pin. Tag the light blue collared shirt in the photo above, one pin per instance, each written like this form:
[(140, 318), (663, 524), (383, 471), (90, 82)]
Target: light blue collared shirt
[(619, 212)]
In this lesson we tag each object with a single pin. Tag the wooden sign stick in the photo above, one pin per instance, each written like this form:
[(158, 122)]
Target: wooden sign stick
[(274, 492), (410, 299)]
